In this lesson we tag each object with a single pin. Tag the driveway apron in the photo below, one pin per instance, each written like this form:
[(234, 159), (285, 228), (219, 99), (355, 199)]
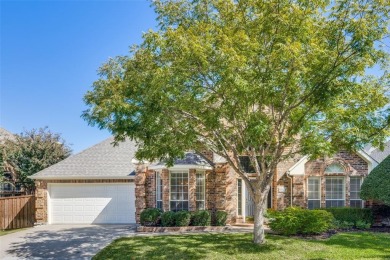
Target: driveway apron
[(61, 241)]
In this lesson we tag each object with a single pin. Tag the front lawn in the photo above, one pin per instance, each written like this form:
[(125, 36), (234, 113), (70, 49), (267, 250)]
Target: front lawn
[(356, 245)]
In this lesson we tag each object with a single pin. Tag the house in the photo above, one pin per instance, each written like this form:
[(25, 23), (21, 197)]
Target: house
[(105, 184)]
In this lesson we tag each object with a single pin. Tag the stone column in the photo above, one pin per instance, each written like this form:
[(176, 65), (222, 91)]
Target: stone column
[(41, 202), (165, 183), (140, 201), (192, 190)]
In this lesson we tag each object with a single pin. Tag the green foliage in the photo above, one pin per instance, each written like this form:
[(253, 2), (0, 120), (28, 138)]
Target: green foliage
[(182, 218), (362, 225), (220, 218), (249, 77), (347, 218), (376, 186), (201, 218), (168, 219), (150, 217), (30, 152), (292, 221)]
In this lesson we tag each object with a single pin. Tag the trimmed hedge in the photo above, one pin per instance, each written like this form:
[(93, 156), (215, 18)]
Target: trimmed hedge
[(182, 218), (293, 220), (346, 218), (150, 217), (168, 219), (220, 218), (201, 218)]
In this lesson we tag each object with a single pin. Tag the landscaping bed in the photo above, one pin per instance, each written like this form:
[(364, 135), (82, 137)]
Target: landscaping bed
[(180, 229)]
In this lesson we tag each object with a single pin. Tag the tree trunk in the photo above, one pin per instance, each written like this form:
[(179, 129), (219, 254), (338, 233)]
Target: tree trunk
[(258, 230)]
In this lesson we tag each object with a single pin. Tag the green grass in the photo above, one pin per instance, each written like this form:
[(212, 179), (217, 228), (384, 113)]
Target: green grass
[(9, 231), (357, 245)]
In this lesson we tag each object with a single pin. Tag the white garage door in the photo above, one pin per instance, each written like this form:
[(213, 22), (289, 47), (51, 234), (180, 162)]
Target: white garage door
[(79, 203)]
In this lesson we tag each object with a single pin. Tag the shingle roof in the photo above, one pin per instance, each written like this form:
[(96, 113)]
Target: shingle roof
[(102, 160), (4, 134), (190, 159), (376, 153)]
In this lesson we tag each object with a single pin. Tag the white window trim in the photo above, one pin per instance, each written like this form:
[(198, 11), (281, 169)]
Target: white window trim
[(204, 189), (361, 182), (157, 173), (319, 191), (343, 185), (188, 184)]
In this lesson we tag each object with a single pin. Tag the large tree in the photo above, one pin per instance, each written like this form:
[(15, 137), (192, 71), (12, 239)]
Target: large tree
[(28, 153), (268, 79)]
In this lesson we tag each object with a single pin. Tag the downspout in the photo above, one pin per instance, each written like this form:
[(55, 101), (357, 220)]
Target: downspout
[(291, 186)]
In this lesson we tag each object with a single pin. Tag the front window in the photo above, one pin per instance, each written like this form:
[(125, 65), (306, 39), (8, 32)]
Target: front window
[(239, 194), (334, 192), (200, 191), (179, 191), (334, 168), (159, 189), (313, 193), (355, 201)]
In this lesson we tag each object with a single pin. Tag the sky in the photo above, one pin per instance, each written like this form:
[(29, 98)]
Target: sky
[(50, 52)]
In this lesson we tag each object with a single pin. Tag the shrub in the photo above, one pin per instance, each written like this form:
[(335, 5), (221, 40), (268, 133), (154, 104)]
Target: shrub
[(362, 225), (201, 218), (220, 218), (351, 215), (294, 220), (168, 219), (150, 217), (182, 218), (343, 224)]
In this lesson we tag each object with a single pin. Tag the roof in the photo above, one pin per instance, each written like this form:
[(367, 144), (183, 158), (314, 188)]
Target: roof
[(376, 153), (190, 160), (102, 160), (5, 134)]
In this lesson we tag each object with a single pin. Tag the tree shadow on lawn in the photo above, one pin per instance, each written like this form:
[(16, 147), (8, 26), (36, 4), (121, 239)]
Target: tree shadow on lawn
[(377, 243), (67, 243), (183, 247)]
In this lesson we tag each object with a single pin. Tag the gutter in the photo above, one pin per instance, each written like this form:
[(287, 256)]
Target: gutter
[(291, 186), (81, 177)]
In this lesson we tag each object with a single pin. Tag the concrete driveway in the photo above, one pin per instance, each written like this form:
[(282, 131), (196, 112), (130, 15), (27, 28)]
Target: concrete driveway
[(61, 241)]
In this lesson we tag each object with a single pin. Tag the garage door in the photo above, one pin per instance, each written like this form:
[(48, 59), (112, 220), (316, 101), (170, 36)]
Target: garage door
[(106, 203)]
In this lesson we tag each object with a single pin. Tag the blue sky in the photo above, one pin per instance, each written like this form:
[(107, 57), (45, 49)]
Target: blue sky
[(49, 54)]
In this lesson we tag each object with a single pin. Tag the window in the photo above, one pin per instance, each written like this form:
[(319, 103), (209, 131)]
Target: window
[(159, 191), (239, 195), (355, 201), (178, 191), (334, 168), (200, 191), (313, 192), (334, 192)]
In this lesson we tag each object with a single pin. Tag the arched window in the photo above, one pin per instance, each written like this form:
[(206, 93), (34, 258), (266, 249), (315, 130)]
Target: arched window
[(334, 168)]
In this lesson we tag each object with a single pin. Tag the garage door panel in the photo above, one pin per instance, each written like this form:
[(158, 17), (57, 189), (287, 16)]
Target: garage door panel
[(92, 203)]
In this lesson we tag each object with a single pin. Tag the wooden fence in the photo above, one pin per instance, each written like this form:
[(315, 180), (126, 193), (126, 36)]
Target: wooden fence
[(17, 212)]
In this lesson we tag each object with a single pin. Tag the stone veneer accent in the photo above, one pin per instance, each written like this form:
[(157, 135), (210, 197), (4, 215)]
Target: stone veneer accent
[(41, 202)]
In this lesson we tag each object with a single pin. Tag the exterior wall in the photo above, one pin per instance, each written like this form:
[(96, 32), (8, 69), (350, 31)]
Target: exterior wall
[(354, 166), (41, 192), (220, 191)]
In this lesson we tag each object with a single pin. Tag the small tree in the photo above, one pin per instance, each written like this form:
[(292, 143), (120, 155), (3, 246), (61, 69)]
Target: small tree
[(377, 184), (29, 153), (268, 79)]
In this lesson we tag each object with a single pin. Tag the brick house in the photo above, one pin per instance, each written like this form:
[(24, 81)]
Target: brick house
[(105, 184)]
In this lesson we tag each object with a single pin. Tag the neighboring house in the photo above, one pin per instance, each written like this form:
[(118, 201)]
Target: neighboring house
[(104, 184), (8, 181)]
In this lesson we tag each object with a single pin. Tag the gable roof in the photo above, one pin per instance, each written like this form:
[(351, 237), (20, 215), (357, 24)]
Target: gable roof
[(101, 161), (5, 134), (191, 160), (376, 153)]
